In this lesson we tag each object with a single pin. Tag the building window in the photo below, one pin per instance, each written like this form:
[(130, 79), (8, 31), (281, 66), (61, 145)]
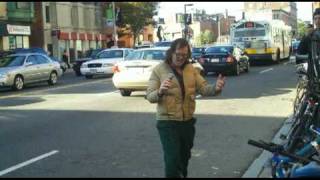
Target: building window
[(19, 42), (23, 5), (47, 14), (96, 18), (74, 17), (12, 42)]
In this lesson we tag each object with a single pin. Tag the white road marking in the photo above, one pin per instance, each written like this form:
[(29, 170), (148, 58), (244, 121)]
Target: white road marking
[(52, 89), (13, 168), (264, 71), (215, 168)]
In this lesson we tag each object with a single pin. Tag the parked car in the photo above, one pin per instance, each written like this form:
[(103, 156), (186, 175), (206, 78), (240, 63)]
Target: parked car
[(225, 59), (89, 55), (134, 72), (63, 65), (19, 69), (29, 50), (163, 44), (197, 52), (102, 64), (295, 46)]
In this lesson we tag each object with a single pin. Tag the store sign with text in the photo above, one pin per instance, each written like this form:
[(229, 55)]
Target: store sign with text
[(19, 30)]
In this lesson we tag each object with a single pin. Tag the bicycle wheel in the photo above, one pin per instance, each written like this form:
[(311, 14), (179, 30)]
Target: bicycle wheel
[(300, 94)]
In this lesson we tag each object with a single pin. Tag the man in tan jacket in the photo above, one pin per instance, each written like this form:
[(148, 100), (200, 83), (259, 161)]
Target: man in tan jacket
[(173, 85)]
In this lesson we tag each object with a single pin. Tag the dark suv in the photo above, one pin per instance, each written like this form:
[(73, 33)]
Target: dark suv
[(89, 55)]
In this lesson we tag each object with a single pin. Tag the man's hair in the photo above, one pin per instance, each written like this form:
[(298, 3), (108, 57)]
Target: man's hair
[(309, 25), (177, 44), (316, 12)]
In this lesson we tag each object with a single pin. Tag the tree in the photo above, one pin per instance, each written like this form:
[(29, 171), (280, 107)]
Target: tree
[(205, 37), (301, 29), (135, 16)]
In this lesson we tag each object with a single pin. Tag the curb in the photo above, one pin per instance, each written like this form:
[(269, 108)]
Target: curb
[(260, 166)]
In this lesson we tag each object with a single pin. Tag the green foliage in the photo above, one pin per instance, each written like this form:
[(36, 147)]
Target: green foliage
[(205, 37), (136, 15), (301, 29)]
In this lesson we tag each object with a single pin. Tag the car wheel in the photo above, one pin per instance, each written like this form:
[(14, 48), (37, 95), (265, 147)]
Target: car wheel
[(53, 78), (89, 76), (124, 92), (237, 70), (18, 83)]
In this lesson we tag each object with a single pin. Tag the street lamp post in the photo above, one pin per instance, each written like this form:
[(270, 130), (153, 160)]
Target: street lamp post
[(114, 26), (219, 30), (185, 19)]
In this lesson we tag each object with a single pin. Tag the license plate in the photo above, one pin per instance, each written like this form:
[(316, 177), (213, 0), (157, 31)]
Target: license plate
[(214, 60), (93, 70)]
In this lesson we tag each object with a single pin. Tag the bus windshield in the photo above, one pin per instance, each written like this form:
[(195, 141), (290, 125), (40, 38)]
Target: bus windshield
[(250, 33)]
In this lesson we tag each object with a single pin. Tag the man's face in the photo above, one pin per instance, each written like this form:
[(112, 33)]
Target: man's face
[(309, 30), (180, 56), (316, 20)]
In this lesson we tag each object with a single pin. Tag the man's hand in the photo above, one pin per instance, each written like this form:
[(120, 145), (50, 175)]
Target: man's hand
[(220, 84), (165, 85)]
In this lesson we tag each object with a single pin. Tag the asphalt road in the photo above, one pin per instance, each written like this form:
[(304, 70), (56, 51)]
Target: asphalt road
[(85, 128)]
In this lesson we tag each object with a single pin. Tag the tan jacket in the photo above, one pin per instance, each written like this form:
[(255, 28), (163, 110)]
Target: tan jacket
[(172, 106)]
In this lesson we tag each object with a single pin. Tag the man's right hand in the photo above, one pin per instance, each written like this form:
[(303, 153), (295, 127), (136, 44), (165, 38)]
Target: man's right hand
[(165, 85)]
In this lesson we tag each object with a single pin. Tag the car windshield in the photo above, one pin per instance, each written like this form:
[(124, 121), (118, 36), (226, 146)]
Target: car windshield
[(220, 49), (162, 44), (111, 54), (196, 50), (147, 55), (12, 61), (296, 44), (92, 53)]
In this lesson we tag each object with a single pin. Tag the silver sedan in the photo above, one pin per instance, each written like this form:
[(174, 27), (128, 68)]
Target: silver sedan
[(19, 69)]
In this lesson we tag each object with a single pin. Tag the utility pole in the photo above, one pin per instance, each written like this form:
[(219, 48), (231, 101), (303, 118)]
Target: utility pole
[(115, 35), (218, 18), (185, 20)]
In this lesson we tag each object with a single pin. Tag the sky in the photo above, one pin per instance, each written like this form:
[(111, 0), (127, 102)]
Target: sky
[(304, 9)]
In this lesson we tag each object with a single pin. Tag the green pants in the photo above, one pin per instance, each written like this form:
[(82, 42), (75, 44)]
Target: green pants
[(177, 140)]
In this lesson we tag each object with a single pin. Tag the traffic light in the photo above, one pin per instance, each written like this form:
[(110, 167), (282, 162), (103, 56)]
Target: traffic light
[(188, 19)]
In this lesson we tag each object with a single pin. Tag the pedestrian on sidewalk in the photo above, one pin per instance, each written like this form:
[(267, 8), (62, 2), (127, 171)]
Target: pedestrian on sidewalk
[(173, 86), (65, 58), (305, 43)]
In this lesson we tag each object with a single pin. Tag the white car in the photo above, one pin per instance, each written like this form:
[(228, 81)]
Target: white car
[(104, 61), (134, 72)]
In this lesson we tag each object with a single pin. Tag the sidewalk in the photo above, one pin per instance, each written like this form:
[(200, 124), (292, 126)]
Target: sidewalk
[(260, 167)]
